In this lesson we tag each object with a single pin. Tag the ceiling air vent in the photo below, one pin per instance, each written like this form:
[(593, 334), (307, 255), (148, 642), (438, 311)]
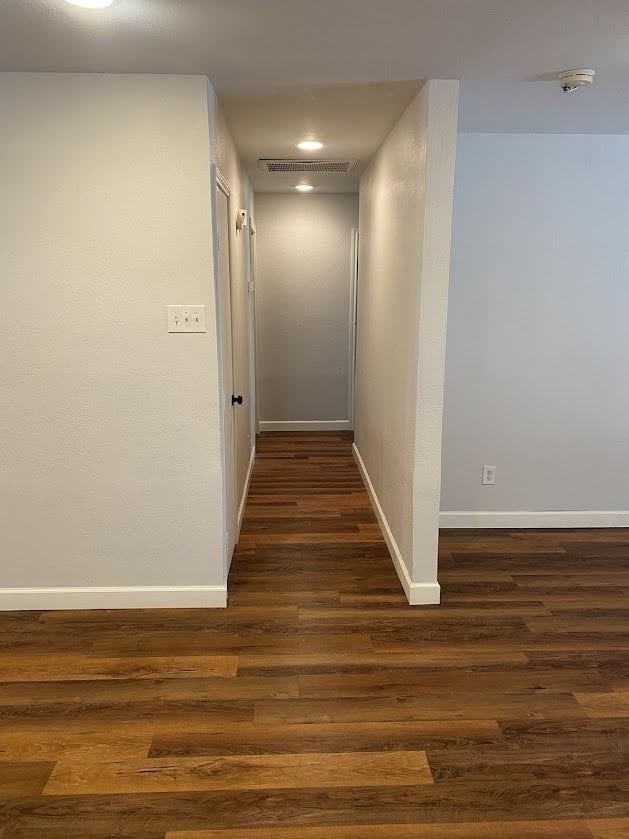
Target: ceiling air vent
[(280, 166)]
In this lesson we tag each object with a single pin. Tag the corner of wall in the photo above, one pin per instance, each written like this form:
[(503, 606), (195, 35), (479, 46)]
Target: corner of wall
[(441, 115), (417, 594), (212, 117)]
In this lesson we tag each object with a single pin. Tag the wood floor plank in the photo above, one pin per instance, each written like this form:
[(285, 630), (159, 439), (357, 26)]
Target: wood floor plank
[(242, 772), (608, 828), (19, 778), (345, 737), (297, 598), (448, 658), (55, 743), (180, 712), (612, 621), (613, 704), (427, 707), (144, 815), (78, 667), (143, 690), (407, 683), (496, 762), (426, 613), (477, 830), (609, 735)]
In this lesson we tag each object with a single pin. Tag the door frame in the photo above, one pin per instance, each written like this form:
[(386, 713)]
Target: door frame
[(253, 350), (218, 182), (353, 322)]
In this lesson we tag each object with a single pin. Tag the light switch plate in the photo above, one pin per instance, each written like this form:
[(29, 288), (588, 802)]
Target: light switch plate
[(186, 318)]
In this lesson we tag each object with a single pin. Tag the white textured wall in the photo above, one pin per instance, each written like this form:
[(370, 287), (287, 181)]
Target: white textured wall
[(405, 214), (538, 342), (109, 425), (303, 282)]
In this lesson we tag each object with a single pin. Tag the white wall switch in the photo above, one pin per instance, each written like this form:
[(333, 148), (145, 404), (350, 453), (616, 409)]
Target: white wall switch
[(489, 475), (186, 318)]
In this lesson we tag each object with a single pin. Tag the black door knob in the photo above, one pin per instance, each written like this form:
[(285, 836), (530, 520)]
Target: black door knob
[(236, 399)]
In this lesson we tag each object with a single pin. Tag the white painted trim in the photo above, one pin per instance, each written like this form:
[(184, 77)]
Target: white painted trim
[(305, 425), (223, 184), (115, 597), (253, 364), (417, 594), (218, 182), (353, 299), (539, 519), (245, 491)]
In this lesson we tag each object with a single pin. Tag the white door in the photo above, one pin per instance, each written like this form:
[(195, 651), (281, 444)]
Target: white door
[(224, 291)]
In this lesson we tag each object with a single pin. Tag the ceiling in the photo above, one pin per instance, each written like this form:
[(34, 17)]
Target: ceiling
[(351, 121), (540, 107), (285, 67), (247, 45)]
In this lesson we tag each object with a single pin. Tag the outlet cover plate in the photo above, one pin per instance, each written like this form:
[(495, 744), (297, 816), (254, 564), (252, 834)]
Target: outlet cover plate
[(489, 475)]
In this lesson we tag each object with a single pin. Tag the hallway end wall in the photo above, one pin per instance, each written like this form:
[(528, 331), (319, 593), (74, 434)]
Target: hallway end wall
[(304, 310)]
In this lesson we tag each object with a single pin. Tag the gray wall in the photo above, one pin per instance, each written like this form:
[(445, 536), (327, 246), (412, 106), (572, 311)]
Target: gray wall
[(303, 279), (537, 379), (111, 465)]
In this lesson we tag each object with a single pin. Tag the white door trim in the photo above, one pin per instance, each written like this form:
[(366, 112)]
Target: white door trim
[(253, 335), (353, 313), (219, 182)]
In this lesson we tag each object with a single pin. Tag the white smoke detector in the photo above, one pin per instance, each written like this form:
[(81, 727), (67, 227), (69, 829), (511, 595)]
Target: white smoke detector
[(572, 80)]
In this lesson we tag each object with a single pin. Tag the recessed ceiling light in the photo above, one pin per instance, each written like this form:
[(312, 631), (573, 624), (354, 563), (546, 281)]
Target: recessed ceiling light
[(91, 4), (310, 145), (304, 187)]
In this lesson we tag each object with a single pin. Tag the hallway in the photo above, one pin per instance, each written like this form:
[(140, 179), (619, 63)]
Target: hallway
[(319, 705), (309, 523)]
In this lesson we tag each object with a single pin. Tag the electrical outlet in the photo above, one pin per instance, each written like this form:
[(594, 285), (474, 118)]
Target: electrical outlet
[(489, 475), (186, 318)]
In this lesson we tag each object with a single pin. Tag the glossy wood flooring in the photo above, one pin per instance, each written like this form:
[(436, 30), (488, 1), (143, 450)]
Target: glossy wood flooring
[(319, 705)]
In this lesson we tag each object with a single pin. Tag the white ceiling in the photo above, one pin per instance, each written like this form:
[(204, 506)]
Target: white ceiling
[(290, 62), (246, 45), (351, 121), (541, 107)]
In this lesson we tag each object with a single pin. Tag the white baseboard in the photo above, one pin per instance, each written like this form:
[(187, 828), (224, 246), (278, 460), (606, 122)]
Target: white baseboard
[(118, 597), (303, 425), (242, 505), (245, 491), (417, 594), (545, 518)]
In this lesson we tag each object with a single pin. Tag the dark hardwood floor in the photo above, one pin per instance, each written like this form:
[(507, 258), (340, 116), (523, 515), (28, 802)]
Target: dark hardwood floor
[(319, 705)]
